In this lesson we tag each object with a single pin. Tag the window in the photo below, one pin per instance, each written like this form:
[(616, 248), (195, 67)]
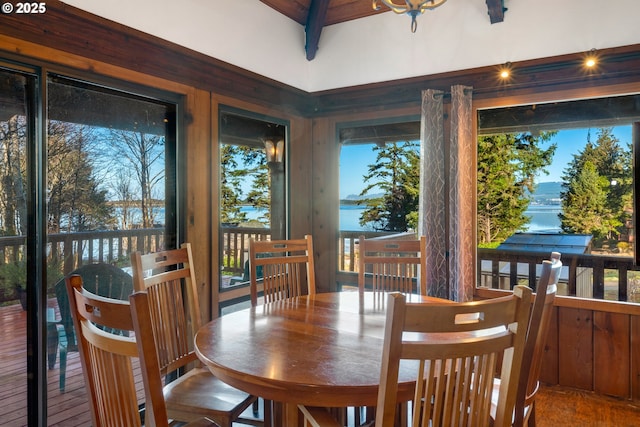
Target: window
[(253, 192), (379, 179), (559, 176)]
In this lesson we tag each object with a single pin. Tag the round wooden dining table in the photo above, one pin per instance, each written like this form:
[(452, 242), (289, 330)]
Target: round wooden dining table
[(322, 350)]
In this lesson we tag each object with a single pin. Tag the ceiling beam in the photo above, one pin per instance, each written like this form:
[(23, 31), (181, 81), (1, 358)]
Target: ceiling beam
[(496, 10), (315, 21)]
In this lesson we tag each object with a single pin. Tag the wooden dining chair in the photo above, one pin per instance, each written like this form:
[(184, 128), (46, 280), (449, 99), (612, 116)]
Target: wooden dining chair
[(456, 348), (282, 269), (286, 268), (392, 265), (107, 361), (537, 332), (389, 265), (169, 279)]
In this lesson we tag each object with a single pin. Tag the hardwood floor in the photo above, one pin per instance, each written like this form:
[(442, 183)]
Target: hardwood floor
[(561, 406)]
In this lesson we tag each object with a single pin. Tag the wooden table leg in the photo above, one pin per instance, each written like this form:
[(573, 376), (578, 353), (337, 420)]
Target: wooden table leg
[(291, 415), (277, 409)]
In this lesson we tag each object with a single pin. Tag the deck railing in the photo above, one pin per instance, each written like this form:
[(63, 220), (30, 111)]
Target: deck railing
[(75, 249), (68, 251), (235, 247), (610, 277), (595, 276)]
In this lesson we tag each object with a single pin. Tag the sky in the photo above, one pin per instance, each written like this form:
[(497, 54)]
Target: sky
[(354, 159)]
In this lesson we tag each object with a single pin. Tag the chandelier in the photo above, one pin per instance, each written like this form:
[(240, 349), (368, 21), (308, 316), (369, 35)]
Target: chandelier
[(411, 7)]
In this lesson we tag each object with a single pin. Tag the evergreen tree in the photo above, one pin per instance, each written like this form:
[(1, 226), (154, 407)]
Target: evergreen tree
[(397, 174), (76, 202), (240, 164), (507, 167), (585, 204), (230, 188), (411, 181), (613, 165), (256, 169)]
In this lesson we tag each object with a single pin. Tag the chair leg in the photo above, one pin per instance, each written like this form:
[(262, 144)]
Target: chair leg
[(277, 413), (531, 420), (62, 347), (52, 345), (364, 415), (268, 412), (52, 337), (256, 408), (402, 413)]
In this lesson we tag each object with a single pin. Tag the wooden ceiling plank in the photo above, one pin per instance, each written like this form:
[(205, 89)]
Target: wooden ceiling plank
[(294, 9), (347, 10), (315, 23)]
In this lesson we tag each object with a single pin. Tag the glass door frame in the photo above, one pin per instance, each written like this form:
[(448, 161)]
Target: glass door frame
[(36, 171)]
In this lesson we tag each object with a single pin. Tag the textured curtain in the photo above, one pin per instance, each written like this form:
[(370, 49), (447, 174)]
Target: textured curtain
[(432, 211), (462, 197), (448, 194)]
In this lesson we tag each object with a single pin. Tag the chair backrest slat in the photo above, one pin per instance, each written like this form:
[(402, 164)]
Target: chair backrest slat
[(283, 268), (392, 265), (537, 333), (169, 279), (457, 347), (108, 360)]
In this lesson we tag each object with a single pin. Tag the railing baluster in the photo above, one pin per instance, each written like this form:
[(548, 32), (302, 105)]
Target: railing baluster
[(495, 274), (623, 283), (513, 274), (598, 279), (533, 276)]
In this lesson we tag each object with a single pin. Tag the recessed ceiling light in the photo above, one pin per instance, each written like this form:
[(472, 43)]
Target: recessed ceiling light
[(591, 59), (505, 71)]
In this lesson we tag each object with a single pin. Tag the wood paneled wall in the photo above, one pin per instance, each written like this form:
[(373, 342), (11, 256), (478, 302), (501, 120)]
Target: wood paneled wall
[(592, 345), (92, 46)]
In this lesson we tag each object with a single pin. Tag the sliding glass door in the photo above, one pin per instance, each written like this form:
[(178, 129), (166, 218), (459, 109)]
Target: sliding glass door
[(17, 148), (89, 174)]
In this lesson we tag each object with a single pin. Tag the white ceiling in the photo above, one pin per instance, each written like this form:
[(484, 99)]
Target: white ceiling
[(455, 36)]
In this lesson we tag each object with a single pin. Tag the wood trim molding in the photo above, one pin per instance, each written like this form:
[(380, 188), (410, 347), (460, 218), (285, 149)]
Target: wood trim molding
[(533, 78), (619, 307), (71, 30)]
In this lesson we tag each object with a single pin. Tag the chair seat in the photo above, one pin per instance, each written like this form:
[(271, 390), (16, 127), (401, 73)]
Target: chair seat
[(199, 393)]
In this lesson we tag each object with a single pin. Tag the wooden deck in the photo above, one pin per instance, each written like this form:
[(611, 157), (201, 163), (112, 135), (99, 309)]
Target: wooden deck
[(68, 409), (64, 409)]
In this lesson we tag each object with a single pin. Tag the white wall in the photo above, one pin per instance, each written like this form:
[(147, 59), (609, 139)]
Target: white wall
[(455, 36)]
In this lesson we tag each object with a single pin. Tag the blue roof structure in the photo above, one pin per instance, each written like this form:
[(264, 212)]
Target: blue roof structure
[(548, 242)]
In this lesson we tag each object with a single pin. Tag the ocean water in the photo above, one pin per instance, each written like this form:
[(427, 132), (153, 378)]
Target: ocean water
[(544, 218)]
